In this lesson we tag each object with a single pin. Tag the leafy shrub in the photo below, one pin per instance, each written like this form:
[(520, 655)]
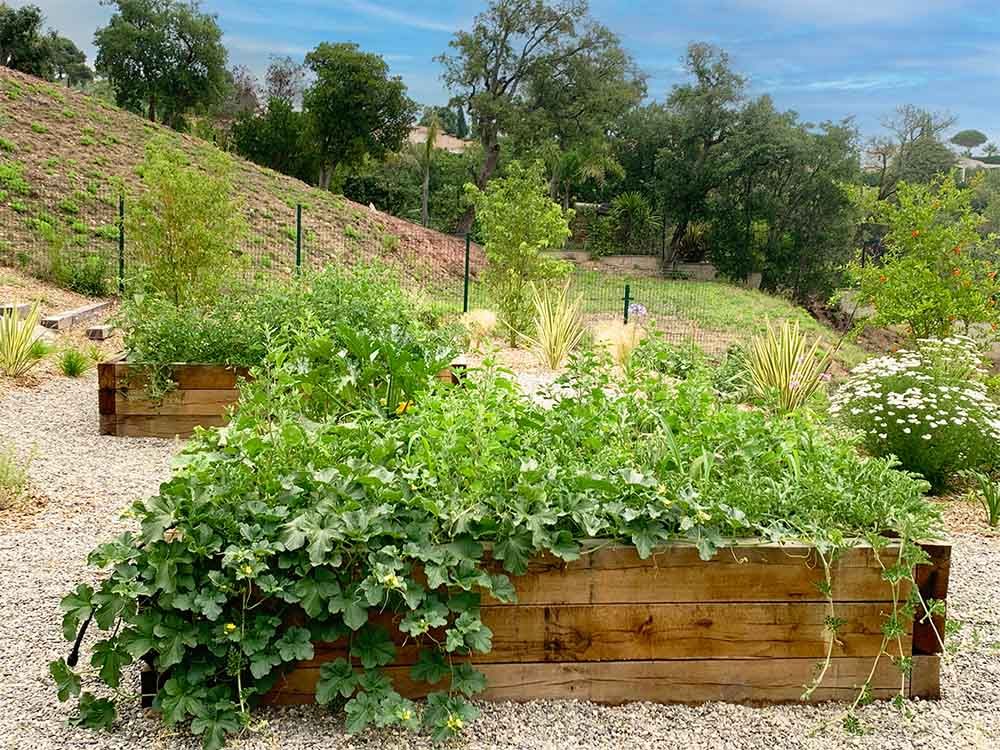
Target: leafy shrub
[(601, 237), (911, 405), (558, 326), (931, 276), (784, 367), (13, 477), (239, 326), (87, 273), (17, 353), (278, 532), (74, 363), (732, 380), (655, 354), (518, 220), (185, 227)]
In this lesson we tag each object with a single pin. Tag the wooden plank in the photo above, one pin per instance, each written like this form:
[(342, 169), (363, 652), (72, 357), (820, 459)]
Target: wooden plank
[(70, 318), (676, 573), (107, 401), (164, 426), (640, 632), (203, 402), (19, 310), (100, 333), (673, 681), (107, 376), (925, 677), (932, 582), (187, 377)]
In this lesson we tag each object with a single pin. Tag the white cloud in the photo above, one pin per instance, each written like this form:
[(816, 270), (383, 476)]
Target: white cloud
[(402, 18), (851, 12), (855, 83)]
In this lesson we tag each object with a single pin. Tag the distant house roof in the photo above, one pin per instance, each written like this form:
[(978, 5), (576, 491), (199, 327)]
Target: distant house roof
[(444, 141), (964, 162)]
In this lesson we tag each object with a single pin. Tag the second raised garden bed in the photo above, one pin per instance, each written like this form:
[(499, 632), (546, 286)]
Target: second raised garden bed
[(750, 625), (202, 397)]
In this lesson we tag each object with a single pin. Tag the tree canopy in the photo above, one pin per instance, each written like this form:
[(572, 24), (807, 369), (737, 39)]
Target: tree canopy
[(355, 108), (24, 47), (969, 139), (163, 57)]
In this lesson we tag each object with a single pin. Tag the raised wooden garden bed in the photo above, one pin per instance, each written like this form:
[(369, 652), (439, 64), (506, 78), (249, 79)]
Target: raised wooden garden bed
[(747, 626), (202, 396)]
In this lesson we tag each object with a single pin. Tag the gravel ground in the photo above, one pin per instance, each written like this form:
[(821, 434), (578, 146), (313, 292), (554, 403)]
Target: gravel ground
[(88, 479)]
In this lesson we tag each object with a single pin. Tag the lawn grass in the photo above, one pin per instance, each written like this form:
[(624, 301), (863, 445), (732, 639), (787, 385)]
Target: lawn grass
[(713, 314)]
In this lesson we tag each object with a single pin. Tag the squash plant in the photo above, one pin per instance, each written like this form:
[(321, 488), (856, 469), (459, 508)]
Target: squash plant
[(306, 517)]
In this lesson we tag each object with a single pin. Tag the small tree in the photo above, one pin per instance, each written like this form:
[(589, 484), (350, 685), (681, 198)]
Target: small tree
[(517, 221), (186, 225), (969, 139), (930, 278)]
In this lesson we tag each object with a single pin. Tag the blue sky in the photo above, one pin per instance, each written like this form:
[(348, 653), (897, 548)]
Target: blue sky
[(823, 58)]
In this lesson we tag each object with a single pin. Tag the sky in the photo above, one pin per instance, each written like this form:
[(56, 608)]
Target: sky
[(825, 59)]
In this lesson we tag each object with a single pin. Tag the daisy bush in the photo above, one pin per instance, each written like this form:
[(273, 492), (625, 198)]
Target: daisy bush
[(928, 406)]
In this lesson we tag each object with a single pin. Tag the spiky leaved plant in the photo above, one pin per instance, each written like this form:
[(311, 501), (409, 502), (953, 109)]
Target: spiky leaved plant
[(558, 325), (18, 353), (785, 366)]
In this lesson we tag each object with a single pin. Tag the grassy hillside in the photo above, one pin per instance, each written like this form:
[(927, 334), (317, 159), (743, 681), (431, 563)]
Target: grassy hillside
[(63, 156)]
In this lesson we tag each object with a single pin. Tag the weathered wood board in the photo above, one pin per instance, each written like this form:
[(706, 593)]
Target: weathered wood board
[(203, 395), (750, 625), (70, 318)]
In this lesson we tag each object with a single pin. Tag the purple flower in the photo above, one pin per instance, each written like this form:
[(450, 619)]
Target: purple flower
[(635, 310), (826, 377)]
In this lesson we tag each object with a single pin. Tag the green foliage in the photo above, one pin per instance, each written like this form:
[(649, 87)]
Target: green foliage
[(280, 531), (558, 323), (17, 354), (969, 139), (988, 494), (12, 178), (276, 138), (930, 277), (732, 379), (785, 369), (86, 273), (517, 221), (74, 363), (37, 127), (239, 326), (921, 407), (636, 225), (7, 145), (13, 477), (354, 108), (656, 354), (185, 228), (162, 57)]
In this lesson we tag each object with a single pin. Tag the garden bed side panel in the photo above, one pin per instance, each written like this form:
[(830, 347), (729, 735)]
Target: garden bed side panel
[(202, 397), (747, 626)]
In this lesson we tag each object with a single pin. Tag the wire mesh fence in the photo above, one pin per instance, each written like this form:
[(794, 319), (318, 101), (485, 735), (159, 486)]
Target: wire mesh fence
[(83, 243)]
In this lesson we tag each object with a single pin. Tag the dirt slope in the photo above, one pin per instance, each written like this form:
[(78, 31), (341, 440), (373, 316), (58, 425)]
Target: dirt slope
[(62, 154)]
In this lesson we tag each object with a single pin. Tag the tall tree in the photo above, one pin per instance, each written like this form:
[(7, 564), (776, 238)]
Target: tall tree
[(276, 138), (969, 139), (703, 116), (285, 80), (163, 57), (512, 43), (911, 150), (23, 46), (423, 154), (355, 109), (69, 61)]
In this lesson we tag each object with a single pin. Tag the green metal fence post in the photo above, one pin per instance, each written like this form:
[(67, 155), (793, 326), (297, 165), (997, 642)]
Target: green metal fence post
[(465, 286), (298, 238), (121, 243), (628, 300)]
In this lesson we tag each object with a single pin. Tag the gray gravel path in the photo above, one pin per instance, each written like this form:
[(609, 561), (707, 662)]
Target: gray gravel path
[(90, 479)]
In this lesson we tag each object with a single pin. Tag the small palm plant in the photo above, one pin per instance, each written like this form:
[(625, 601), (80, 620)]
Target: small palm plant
[(558, 325), (784, 365), (18, 351)]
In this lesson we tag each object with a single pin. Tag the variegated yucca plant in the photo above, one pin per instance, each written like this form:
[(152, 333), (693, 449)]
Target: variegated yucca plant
[(18, 353), (558, 325), (784, 365)]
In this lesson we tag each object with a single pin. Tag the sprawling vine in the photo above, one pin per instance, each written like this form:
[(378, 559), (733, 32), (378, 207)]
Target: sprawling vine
[(305, 522)]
